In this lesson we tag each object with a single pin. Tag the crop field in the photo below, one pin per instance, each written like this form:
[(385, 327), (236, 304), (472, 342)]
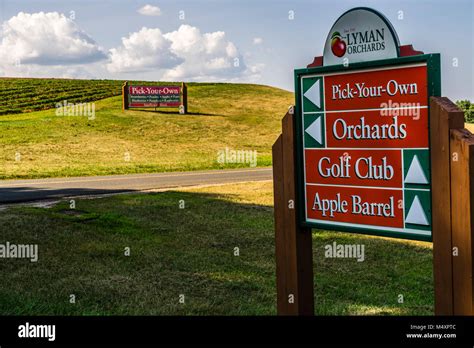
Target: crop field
[(18, 95), (26, 95)]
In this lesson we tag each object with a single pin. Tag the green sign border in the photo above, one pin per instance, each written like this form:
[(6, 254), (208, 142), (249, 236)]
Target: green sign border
[(434, 90)]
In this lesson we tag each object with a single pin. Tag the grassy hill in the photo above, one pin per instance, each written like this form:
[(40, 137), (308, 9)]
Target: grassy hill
[(42, 144)]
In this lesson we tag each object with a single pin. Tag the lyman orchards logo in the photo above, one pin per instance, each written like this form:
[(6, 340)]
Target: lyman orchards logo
[(357, 42), (338, 45)]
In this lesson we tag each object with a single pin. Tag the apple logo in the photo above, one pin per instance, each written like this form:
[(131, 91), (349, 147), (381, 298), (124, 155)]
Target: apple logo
[(338, 46)]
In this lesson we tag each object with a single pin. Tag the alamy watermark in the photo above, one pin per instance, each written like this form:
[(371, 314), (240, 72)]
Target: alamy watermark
[(395, 109), (19, 251), (227, 155), (75, 109), (28, 330), (345, 251)]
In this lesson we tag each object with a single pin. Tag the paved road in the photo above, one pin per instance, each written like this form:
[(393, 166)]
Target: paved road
[(13, 191)]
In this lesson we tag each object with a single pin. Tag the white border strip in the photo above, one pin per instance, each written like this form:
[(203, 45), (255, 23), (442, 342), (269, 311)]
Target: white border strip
[(304, 146), (369, 148), (374, 109), (368, 187), (408, 231), (367, 69)]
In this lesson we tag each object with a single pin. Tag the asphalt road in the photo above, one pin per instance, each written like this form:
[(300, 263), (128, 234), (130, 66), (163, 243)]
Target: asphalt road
[(16, 191)]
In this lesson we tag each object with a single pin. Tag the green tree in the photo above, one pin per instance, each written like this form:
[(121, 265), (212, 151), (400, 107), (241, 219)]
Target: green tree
[(468, 108)]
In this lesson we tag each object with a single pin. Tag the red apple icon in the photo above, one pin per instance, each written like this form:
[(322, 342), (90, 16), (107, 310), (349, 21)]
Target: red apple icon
[(338, 46)]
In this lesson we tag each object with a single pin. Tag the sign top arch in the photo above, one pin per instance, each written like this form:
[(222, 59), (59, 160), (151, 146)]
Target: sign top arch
[(360, 34)]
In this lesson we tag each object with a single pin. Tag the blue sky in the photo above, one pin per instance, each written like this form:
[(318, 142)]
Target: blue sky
[(267, 44)]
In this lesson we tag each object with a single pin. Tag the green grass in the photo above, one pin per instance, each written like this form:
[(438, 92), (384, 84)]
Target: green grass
[(190, 251), (234, 116)]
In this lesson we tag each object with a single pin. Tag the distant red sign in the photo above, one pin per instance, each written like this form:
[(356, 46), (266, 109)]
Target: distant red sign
[(154, 96)]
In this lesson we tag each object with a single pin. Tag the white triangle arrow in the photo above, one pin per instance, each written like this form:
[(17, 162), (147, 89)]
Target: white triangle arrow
[(314, 94), (416, 214), (415, 174), (315, 130)]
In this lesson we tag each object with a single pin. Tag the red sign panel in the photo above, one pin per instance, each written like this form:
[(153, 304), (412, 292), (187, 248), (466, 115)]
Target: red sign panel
[(361, 205), (368, 90), (354, 167), (378, 128)]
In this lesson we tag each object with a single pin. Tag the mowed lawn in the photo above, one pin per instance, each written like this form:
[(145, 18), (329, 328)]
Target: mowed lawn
[(189, 250), (232, 116)]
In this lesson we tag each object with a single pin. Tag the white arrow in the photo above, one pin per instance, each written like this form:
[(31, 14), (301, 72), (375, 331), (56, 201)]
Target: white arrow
[(416, 214), (315, 130), (314, 94), (415, 174)]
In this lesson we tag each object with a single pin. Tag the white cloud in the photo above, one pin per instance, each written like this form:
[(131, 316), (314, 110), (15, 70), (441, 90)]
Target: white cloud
[(46, 39), (143, 50), (257, 40), (52, 45), (185, 53), (257, 68), (208, 55), (149, 10)]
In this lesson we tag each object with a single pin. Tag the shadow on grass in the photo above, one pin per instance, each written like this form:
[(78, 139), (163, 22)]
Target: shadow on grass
[(184, 243), (22, 194), (176, 112)]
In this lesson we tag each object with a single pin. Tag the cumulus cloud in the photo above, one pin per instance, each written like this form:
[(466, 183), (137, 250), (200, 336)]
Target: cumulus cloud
[(46, 39), (141, 51), (257, 41), (149, 10), (185, 53), (52, 45), (204, 55)]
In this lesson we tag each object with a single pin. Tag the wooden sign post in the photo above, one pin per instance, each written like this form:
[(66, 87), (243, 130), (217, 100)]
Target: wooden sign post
[(294, 254), (462, 220), (453, 231), (445, 116), (125, 96), (184, 98), (371, 148)]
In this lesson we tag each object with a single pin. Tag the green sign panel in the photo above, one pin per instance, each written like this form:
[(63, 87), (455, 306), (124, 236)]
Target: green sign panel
[(363, 146)]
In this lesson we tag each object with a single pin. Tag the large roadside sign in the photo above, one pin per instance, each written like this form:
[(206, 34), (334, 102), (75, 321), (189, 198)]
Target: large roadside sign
[(154, 96), (363, 153), (146, 96)]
